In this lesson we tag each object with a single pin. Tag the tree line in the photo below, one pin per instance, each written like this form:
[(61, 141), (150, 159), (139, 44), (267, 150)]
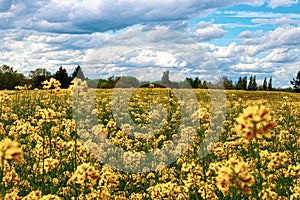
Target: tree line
[(10, 78)]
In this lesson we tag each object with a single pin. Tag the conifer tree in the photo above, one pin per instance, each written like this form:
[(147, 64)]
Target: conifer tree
[(62, 76), (265, 84), (270, 84), (250, 85), (78, 73), (296, 82), (254, 84)]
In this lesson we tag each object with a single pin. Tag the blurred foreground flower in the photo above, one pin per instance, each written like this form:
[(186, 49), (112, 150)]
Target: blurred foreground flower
[(254, 122), (9, 150)]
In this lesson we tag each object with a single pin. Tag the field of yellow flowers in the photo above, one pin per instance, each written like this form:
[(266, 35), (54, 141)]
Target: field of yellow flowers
[(44, 154)]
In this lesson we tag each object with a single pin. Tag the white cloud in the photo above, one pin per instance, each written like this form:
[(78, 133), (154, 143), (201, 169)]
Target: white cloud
[(245, 34), (233, 50), (281, 20), (206, 31), (252, 68), (278, 3), (156, 58), (288, 35), (260, 14), (281, 37), (280, 55), (88, 16)]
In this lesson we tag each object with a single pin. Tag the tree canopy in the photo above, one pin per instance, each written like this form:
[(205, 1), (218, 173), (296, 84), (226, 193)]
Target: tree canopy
[(296, 82), (9, 78), (78, 73), (62, 76), (38, 76)]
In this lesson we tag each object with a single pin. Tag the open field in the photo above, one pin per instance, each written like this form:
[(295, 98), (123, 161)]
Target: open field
[(44, 150)]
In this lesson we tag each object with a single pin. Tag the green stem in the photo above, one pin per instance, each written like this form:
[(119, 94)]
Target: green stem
[(43, 177), (1, 176)]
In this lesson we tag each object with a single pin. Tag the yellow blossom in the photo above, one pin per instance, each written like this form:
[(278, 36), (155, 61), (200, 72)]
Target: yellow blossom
[(9, 150), (254, 122)]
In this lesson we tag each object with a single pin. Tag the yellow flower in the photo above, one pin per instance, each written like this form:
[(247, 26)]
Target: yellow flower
[(9, 150), (254, 122), (234, 173), (85, 174)]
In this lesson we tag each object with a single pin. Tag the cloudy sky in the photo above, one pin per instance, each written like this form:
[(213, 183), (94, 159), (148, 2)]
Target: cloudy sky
[(240, 37)]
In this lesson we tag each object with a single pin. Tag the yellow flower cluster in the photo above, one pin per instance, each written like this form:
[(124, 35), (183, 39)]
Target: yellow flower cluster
[(52, 82), (254, 122), (47, 115), (78, 85), (4, 97), (168, 190), (108, 178), (9, 150), (293, 171), (55, 144), (49, 164), (234, 173), (269, 194), (85, 175), (275, 160), (296, 193)]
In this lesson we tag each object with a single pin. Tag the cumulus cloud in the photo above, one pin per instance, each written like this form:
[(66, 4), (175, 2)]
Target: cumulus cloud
[(245, 34), (139, 51), (26, 50), (88, 16), (281, 55), (281, 37), (206, 31), (233, 50)]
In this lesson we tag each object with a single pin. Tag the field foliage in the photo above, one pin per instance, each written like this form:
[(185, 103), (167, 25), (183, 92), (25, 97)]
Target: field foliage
[(47, 153)]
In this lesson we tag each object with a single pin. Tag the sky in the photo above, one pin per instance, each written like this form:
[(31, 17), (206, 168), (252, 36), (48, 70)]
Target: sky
[(143, 38)]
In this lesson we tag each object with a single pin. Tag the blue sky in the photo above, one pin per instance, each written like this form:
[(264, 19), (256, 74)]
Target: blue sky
[(242, 37)]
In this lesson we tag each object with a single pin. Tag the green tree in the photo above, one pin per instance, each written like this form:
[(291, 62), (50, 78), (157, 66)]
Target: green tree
[(225, 82), (196, 82), (9, 78), (244, 83), (38, 76), (296, 82), (238, 85), (265, 84), (109, 83), (254, 83), (165, 80), (204, 85), (270, 87), (78, 73), (250, 85), (127, 82), (188, 82), (62, 76)]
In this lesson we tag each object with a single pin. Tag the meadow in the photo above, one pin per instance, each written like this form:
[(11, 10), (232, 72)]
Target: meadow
[(48, 152)]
